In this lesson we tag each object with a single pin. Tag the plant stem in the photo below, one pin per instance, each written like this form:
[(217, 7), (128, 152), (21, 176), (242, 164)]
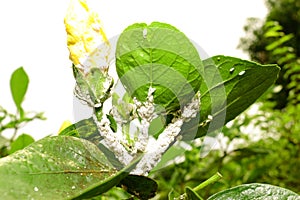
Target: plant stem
[(217, 176)]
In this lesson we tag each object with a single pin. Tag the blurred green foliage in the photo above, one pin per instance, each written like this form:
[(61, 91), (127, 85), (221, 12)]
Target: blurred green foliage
[(12, 122), (287, 14)]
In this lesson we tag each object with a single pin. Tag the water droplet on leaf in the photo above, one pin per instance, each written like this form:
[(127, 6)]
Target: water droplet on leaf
[(242, 73), (231, 70), (73, 187), (36, 189), (145, 33)]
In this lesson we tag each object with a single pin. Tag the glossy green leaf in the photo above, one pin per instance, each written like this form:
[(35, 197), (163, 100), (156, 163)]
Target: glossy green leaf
[(20, 143), (256, 191), (230, 86), (87, 129), (105, 185), (191, 194), (18, 86), (159, 56), (140, 186), (60, 167)]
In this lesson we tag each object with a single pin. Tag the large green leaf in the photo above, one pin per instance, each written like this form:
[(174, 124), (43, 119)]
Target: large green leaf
[(160, 56), (256, 191), (60, 167), (18, 86), (87, 129), (230, 86)]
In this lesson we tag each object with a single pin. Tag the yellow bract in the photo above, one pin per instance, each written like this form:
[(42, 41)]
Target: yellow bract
[(86, 39), (64, 125)]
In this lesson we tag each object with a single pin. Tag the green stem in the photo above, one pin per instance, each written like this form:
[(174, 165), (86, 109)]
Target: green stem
[(16, 126), (209, 181)]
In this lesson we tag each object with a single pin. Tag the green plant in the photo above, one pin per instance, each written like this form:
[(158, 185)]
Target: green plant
[(94, 155), (13, 122), (261, 145)]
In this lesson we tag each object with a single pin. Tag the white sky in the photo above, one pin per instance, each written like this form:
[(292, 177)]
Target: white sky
[(32, 35)]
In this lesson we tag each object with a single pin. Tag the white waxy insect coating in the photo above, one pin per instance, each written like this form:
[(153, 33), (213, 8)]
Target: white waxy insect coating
[(113, 141), (153, 148), (242, 73), (156, 148), (146, 111), (145, 31)]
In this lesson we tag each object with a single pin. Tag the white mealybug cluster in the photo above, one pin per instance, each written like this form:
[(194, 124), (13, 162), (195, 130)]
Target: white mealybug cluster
[(146, 111), (113, 140), (151, 147), (156, 148)]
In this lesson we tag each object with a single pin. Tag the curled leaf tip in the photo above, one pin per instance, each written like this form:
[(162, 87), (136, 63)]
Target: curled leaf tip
[(86, 39)]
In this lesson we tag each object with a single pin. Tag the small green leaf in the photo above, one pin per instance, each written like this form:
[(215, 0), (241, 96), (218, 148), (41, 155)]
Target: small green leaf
[(18, 86), (255, 191), (113, 124), (60, 167), (140, 186), (230, 86), (191, 194), (157, 125), (159, 56), (20, 143)]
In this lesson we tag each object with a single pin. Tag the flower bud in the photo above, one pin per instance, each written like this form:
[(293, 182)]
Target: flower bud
[(86, 40)]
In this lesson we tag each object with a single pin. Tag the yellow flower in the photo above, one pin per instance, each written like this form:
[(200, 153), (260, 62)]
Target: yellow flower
[(86, 39)]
